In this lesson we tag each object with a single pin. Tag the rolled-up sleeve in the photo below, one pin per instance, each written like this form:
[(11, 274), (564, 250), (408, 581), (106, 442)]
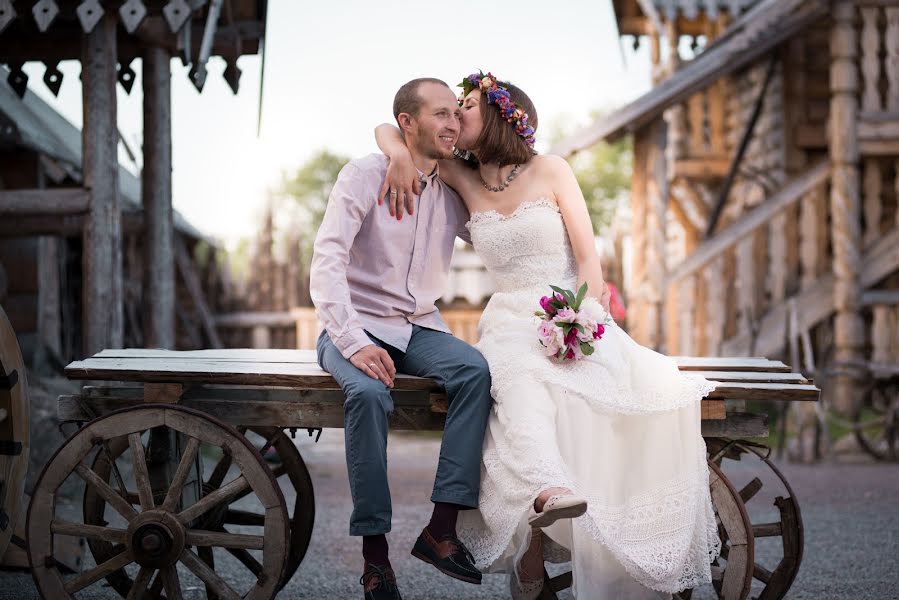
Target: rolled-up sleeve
[(347, 208)]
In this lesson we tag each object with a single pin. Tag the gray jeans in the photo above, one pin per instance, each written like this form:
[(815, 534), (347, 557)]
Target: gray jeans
[(462, 372)]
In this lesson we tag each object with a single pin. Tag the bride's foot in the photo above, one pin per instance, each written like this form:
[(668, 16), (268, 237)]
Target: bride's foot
[(528, 583), (553, 504)]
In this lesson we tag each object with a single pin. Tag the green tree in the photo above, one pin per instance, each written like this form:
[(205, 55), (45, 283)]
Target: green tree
[(309, 187), (603, 172)]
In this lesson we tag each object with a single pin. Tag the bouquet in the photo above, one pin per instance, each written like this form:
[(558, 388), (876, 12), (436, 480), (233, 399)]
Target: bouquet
[(570, 324)]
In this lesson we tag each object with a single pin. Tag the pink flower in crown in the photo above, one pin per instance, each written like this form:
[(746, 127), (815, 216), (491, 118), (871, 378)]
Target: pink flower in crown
[(565, 315), (487, 82), (551, 337)]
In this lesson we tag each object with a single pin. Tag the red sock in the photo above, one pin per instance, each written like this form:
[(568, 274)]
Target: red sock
[(443, 520), (374, 550)]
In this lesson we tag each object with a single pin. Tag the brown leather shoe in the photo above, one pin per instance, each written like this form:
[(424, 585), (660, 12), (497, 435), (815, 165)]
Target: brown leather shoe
[(379, 583), (449, 555)]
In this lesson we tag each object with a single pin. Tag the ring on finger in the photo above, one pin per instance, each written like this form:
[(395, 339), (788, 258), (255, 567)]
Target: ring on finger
[(393, 192)]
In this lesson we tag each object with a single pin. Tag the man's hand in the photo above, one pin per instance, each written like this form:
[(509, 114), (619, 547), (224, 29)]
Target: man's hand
[(400, 186), (376, 363)]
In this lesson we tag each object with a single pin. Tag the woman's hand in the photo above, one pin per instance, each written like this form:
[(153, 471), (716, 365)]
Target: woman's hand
[(401, 185)]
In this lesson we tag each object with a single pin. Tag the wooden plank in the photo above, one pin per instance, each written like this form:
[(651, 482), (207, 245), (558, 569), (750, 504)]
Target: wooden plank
[(166, 393), (756, 376), (192, 282), (765, 391), (156, 196), (713, 410), (249, 319), (241, 373), (103, 317), (724, 363), (737, 425), (55, 202)]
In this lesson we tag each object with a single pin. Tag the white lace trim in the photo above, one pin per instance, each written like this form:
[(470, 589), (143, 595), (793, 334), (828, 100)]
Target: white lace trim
[(495, 215)]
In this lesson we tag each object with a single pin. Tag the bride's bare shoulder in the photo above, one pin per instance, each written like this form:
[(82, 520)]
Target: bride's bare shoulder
[(551, 164)]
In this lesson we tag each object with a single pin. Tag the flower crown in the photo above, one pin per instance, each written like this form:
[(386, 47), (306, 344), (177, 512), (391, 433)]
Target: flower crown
[(499, 95)]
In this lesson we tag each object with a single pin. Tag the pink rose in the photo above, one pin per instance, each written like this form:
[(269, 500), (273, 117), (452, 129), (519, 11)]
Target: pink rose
[(571, 337), (600, 330), (551, 337), (565, 315)]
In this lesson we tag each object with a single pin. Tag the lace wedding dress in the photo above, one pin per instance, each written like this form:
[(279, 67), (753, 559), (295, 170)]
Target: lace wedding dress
[(620, 427)]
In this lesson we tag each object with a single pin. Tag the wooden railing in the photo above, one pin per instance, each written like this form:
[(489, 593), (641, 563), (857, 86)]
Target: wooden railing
[(721, 291)]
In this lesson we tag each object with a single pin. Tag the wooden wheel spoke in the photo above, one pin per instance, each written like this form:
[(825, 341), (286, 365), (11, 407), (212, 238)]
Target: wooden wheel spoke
[(767, 530), (761, 573), (750, 490), (244, 517), (246, 559), (223, 539), (139, 587), (277, 472), (156, 587), (141, 476), (171, 583), (218, 473), (210, 501), (269, 442), (207, 575), (117, 475), (121, 506), (94, 532), (99, 572), (181, 473)]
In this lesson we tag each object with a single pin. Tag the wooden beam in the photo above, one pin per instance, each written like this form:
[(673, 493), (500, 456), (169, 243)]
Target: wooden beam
[(102, 324), (58, 201), (156, 197), (701, 168), (712, 248), (192, 282)]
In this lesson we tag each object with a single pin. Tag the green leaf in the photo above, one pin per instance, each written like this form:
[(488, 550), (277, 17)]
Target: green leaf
[(581, 293), (578, 326), (539, 313), (587, 348)]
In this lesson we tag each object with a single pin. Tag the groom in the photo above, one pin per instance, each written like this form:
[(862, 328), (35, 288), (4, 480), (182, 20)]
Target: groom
[(374, 281)]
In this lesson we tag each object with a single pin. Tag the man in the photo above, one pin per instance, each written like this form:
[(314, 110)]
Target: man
[(374, 281)]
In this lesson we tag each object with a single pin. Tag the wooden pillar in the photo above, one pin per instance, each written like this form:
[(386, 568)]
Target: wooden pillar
[(635, 322), (845, 205), (156, 194), (102, 253), (656, 209)]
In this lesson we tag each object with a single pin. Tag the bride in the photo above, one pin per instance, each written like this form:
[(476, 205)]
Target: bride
[(600, 460)]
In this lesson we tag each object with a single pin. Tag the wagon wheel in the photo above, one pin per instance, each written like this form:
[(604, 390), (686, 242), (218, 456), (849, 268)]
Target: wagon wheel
[(287, 462), (732, 570), (157, 536), (876, 422), (14, 434), (778, 532)]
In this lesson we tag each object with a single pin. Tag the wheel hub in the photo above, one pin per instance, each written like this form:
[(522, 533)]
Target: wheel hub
[(157, 539)]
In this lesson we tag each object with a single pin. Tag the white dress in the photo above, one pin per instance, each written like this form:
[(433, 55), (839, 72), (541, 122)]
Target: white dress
[(620, 427)]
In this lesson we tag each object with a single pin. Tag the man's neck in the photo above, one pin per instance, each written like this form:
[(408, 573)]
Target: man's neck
[(423, 163)]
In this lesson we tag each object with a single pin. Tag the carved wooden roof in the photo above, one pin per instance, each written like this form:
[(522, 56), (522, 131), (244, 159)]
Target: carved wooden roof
[(757, 32), (50, 31)]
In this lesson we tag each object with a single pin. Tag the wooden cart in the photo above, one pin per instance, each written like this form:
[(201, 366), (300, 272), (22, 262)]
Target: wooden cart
[(149, 416)]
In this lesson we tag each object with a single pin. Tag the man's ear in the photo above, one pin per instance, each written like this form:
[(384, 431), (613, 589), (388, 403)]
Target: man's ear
[(405, 121)]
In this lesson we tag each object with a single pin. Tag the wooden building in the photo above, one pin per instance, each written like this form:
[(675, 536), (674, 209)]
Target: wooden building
[(94, 257), (765, 183)]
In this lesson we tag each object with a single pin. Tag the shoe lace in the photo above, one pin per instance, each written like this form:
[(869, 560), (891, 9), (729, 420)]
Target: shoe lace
[(373, 571)]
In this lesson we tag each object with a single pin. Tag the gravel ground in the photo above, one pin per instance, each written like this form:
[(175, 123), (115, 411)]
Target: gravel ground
[(850, 511)]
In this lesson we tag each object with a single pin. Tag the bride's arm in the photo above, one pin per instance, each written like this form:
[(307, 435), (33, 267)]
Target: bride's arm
[(579, 227), (402, 176)]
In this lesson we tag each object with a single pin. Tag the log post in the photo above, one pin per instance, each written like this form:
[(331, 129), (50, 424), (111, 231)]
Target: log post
[(656, 209), (638, 235), (102, 254), (845, 205), (156, 195)]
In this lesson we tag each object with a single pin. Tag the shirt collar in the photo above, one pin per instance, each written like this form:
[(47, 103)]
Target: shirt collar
[(427, 179)]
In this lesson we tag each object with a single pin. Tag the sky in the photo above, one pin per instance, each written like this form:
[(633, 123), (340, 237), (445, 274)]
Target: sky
[(331, 71)]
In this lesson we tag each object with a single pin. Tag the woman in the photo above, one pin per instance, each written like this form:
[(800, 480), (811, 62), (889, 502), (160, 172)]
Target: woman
[(601, 459)]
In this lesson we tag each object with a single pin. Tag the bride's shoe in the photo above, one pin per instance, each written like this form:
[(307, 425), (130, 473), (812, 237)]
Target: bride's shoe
[(563, 506), (525, 590)]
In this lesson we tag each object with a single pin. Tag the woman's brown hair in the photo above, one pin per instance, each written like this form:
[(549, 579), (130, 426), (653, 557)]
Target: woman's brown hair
[(498, 143)]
